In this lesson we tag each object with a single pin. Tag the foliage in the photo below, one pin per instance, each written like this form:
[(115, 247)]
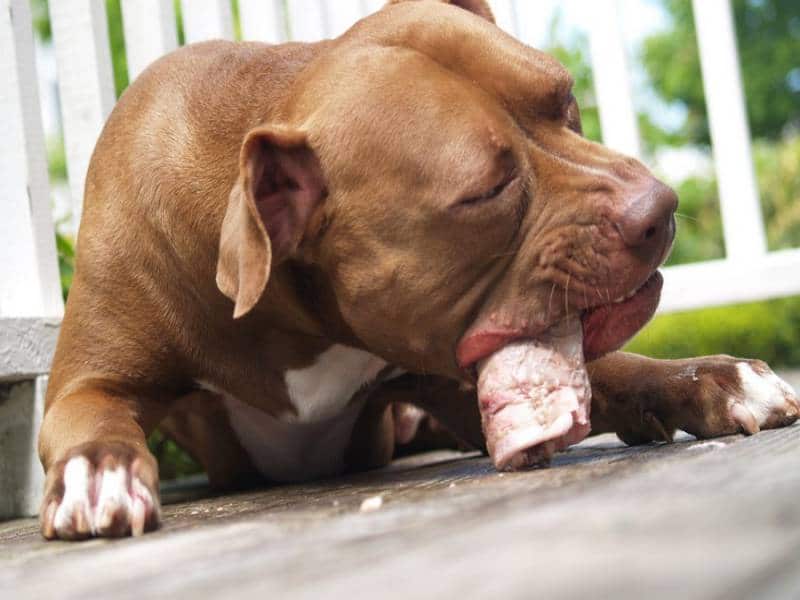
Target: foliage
[(573, 54), (766, 330), (768, 36), (699, 235), (66, 261), (56, 159), (173, 461), (119, 60), (778, 169)]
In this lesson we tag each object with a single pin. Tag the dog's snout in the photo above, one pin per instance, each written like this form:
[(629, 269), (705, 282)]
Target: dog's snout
[(648, 217)]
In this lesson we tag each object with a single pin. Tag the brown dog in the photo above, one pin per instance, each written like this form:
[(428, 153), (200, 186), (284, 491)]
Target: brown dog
[(272, 234)]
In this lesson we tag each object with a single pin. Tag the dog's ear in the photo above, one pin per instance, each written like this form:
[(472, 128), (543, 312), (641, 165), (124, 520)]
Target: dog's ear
[(280, 184), (479, 7)]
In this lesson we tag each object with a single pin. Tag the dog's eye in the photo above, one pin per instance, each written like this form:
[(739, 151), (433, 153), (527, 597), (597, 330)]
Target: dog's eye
[(573, 115), (491, 194)]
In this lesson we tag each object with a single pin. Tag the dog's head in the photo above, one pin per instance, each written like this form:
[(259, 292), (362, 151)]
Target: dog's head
[(433, 168)]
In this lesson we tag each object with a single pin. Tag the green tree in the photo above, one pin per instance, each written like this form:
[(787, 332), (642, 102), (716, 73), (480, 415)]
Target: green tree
[(768, 37), (572, 50)]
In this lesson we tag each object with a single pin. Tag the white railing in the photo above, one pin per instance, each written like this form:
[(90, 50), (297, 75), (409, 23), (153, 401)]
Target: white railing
[(29, 284)]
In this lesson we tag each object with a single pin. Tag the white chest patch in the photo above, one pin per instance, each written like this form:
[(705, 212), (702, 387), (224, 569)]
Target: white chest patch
[(283, 451), (311, 443), (322, 390)]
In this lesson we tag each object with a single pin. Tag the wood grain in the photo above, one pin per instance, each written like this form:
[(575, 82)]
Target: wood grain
[(689, 519)]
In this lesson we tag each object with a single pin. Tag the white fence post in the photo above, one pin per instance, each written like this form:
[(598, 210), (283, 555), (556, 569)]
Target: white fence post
[(612, 79), (307, 20), (29, 282), (262, 20), (85, 83), (207, 20), (341, 16), (150, 32), (506, 16), (371, 6), (742, 221)]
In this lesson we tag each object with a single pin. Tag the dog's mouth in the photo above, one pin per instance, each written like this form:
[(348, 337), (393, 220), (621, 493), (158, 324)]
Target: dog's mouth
[(533, 390), (608, 326)]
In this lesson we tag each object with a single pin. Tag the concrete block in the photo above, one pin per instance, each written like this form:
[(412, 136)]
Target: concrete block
[(21, 475), (26, 347)]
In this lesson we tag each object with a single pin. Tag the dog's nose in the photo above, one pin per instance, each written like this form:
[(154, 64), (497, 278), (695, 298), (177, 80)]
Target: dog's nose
[(649, 216)]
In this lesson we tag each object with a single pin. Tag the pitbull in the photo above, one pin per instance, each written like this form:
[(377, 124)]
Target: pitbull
[(282, 243)]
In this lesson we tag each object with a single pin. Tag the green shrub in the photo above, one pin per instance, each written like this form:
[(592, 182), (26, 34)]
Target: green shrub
[(778, 168), (173, 461), (66, 261), (767, 330)]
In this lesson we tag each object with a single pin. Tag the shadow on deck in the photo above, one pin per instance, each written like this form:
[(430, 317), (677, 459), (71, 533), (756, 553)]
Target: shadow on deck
[(690, 519)]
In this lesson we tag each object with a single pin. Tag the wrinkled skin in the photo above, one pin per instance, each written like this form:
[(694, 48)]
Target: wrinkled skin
[(552, 219)]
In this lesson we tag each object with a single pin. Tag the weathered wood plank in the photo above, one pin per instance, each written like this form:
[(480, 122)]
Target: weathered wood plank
[(691, 519)]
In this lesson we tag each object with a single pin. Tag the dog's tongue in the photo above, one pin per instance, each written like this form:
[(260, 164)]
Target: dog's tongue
[(535, 397)]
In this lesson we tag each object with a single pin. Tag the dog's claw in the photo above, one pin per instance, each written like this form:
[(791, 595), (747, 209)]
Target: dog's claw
[(102, 498), (745, 419), (654, 422), (138, 517), (48, 528)]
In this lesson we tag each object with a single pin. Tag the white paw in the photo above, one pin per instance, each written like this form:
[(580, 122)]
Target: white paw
[(766, 400), (107, 502)]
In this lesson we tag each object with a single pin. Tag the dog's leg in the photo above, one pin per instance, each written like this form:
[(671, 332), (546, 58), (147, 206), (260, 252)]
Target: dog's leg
[(642, 399), (101, 478), (373, 439), (199, 424), (392, 422), (452, 420)]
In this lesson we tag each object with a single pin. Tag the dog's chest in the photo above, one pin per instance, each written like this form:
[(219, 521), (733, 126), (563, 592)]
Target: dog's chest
[(311, 443)]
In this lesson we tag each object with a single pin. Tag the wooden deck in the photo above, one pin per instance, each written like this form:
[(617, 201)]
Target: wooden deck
[(718, 519)]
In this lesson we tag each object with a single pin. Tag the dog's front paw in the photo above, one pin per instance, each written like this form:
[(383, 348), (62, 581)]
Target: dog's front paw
[(721, 395), (764, 400), (101, 490)]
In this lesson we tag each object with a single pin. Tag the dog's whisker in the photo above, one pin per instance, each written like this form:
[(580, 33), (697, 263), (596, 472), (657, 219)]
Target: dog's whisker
[(550, 300), (566, 296), (503, 254), (597, 289)]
